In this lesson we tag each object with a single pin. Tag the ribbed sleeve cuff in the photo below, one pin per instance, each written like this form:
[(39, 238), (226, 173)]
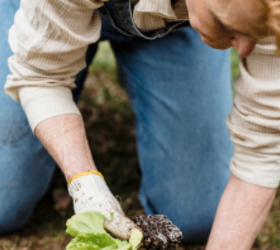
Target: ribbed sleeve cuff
[(41, 103), (259, 169)]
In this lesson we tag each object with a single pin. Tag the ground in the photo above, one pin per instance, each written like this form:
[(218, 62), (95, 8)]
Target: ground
[(109, 123)]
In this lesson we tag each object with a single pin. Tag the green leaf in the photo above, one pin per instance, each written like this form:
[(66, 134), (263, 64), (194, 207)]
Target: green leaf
[(123, 245), (76, 245), (136, 239), (98, 241), (84, 223), (88, 230)]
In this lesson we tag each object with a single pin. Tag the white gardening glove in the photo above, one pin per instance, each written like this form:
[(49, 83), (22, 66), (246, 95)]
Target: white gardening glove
[(91, 193)]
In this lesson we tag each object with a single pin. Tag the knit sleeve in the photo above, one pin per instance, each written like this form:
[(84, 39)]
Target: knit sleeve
[(254, 122), (49, 40)]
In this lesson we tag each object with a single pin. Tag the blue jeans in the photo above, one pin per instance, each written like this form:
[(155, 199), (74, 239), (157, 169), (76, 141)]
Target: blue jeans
[(180, 92)]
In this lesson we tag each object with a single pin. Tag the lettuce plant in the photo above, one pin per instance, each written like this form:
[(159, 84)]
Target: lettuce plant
[(89, 234)]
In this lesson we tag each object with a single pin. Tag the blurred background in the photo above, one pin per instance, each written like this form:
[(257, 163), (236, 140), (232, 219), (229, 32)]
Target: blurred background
[(109, 122)]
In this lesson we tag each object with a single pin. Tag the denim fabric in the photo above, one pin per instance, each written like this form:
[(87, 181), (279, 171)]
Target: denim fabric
[(25, 166), (120, 14), (180, 91)]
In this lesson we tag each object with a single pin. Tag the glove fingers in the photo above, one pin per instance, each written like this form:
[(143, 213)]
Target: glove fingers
[(120, 226), (90, 193)]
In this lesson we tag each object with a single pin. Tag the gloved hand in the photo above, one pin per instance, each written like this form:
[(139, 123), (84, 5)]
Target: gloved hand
[(91, 193)]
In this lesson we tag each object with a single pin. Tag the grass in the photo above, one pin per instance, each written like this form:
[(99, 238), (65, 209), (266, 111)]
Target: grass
[(109, 122)]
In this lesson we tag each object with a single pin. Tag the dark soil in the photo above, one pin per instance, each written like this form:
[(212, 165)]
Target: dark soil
[(159, 232)]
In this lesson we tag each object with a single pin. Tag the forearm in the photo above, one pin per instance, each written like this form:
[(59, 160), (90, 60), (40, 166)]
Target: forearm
[(65, 139), (240, 216)]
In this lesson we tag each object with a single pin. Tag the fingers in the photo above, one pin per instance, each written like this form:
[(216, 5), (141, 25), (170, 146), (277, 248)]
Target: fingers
[(91, 193), (120, 226)]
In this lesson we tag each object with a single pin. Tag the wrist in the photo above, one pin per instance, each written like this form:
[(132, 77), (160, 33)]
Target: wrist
[(85, 173), (72, 171)]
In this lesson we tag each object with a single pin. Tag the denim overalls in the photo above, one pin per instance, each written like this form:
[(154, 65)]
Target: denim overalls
[(121, 16)]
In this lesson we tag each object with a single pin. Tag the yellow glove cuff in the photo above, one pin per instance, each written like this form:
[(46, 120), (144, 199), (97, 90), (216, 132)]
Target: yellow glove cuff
[(84, 173)]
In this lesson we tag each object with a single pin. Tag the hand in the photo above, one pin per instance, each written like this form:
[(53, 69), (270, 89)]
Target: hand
[(90, 193), (65, 139)]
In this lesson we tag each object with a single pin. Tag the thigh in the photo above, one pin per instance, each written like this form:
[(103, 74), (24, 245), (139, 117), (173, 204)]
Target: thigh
[(25, 166), (181, 94)]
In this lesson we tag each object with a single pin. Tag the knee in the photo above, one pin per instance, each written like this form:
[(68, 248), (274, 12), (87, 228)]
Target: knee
[(194, 220), (192, 214), (17, 204), (13, 217), (195, 229)]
